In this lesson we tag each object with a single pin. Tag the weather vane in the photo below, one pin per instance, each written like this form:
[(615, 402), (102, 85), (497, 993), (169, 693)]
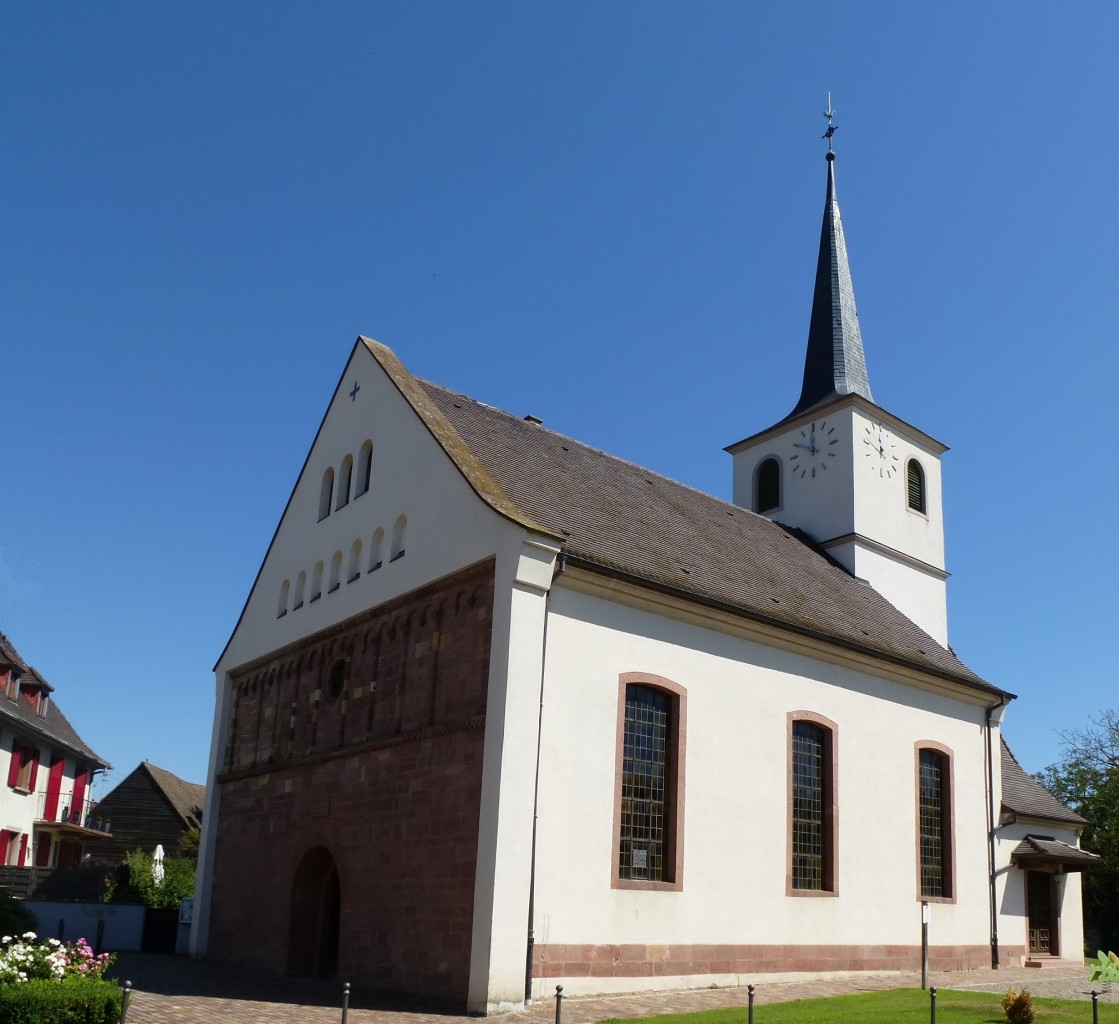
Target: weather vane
[(830, 115)]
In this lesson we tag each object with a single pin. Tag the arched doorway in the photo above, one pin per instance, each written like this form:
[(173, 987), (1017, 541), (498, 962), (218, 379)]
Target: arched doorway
[(316, 903)]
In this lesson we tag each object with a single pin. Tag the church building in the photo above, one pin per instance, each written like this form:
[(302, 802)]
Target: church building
[(503, 711)]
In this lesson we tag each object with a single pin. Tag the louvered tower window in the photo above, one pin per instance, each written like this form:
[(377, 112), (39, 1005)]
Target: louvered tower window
[(769, 486), (915, 483)]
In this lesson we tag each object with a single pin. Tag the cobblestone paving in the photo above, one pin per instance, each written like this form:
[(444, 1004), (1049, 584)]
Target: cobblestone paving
[(178, 990)]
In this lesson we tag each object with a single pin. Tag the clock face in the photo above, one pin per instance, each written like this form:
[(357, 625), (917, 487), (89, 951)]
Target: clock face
[(881, 451), (812, 449)]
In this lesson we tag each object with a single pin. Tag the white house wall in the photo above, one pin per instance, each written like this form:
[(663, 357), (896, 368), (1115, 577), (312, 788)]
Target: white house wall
[(739, 694)]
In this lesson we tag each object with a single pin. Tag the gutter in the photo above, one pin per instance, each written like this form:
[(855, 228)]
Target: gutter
[(561, 564), (991, 866)]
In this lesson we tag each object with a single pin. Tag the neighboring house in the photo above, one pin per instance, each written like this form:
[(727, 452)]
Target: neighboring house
[(502, 711), (44, 808), (149, 807)]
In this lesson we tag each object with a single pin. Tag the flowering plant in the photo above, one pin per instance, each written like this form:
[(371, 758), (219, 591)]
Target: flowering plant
[(25, 957)]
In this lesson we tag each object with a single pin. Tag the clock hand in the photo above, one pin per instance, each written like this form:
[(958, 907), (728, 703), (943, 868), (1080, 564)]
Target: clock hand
[(804, 446)]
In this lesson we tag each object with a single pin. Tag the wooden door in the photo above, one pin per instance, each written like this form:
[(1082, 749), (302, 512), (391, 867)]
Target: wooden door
[(1041, 914)]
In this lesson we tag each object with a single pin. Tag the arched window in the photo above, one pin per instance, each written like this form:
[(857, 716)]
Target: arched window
[(364, 468), (767, 486), (285, 589), (345, 472), (812, 809), (316, 582), (934, 821), (375, 549), (399, 529), (915, 486), (300, 587), (649, 783), (335, 572), (326, 492), (354, 570)]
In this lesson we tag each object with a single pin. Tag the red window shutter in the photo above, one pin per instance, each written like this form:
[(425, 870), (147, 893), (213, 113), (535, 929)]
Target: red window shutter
[(5, 837), (34, 770), (77, 801), (13, 768), (43, 852), (54, 787), (23, 850)]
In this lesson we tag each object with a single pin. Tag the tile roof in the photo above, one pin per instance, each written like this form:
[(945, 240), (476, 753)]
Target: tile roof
[(1046, 849), (187, 798), (621, 518), (1023, 794), (53, 725)]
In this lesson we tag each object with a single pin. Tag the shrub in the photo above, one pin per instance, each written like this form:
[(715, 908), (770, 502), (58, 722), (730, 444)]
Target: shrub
[(15, 918), (134, 882), (24, 958), (74, 1001), (1018, 1006)]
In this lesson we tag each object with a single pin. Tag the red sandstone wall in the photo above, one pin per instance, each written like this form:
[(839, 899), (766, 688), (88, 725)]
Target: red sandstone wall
[(383, 769)]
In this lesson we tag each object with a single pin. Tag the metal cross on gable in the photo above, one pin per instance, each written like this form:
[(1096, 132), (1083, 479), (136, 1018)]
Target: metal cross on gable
[(353, 394)]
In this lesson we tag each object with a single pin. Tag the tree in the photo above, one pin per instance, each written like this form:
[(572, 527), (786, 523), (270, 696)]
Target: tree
[(1087, 781)]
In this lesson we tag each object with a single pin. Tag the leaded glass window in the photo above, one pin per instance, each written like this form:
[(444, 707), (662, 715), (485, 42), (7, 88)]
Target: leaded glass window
[(646, 773), (932, 802), (809, 821)]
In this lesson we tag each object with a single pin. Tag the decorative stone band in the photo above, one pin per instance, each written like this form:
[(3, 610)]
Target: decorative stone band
[(702, 963)]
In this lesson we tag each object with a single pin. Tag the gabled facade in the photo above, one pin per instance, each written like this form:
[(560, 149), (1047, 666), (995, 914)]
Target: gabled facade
[(48, 768), (502, 711), (150, 807)]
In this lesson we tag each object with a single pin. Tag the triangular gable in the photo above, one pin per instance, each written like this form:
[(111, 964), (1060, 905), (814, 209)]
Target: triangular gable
[(466, 466)]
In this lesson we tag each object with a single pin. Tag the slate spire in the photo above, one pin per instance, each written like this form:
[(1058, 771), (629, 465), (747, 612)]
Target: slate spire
[(834, 364)]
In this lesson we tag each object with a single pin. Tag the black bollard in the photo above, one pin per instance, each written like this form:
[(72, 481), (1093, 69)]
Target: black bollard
[(1095, 1007), (61, 928), (100, 936), (932, 1005), (750, 1011), (125, 1000), (559, 1002), (345, 1001)]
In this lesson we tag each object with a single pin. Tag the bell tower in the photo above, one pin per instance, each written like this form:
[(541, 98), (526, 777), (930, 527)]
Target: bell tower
[(859, 481)]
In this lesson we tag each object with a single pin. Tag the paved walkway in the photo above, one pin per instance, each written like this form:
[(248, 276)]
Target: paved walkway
[(178, 990)]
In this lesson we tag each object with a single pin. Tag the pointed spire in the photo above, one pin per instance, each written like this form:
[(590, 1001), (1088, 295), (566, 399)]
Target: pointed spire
[(835, 364)]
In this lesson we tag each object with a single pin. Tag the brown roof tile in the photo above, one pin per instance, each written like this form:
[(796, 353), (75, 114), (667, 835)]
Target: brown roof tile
[(622, 518), (187, 798), (1023, 794)]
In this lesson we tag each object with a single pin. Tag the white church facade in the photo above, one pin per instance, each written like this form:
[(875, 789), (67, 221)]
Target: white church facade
[(503, 712)]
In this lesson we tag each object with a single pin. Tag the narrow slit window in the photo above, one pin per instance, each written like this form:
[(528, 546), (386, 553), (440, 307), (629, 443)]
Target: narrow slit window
[(364, 469), (345, 474), (326, 492)]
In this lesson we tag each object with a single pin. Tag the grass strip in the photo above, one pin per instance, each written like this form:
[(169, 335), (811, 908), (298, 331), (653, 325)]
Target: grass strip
[(896, 1006)]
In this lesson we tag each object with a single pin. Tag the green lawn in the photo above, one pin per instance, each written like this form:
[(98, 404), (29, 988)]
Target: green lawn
[(898, 1006)]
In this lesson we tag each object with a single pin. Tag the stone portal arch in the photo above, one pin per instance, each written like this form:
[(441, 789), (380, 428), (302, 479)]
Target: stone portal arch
[(316, 904)]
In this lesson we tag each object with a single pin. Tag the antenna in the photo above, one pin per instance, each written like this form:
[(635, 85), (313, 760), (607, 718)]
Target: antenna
[(830, 115)]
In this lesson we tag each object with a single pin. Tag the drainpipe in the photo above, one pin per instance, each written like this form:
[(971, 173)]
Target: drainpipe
[(536, 790), (991, 837)]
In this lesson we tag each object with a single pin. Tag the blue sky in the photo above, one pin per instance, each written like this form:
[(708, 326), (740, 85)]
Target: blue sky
[(603, 214)]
